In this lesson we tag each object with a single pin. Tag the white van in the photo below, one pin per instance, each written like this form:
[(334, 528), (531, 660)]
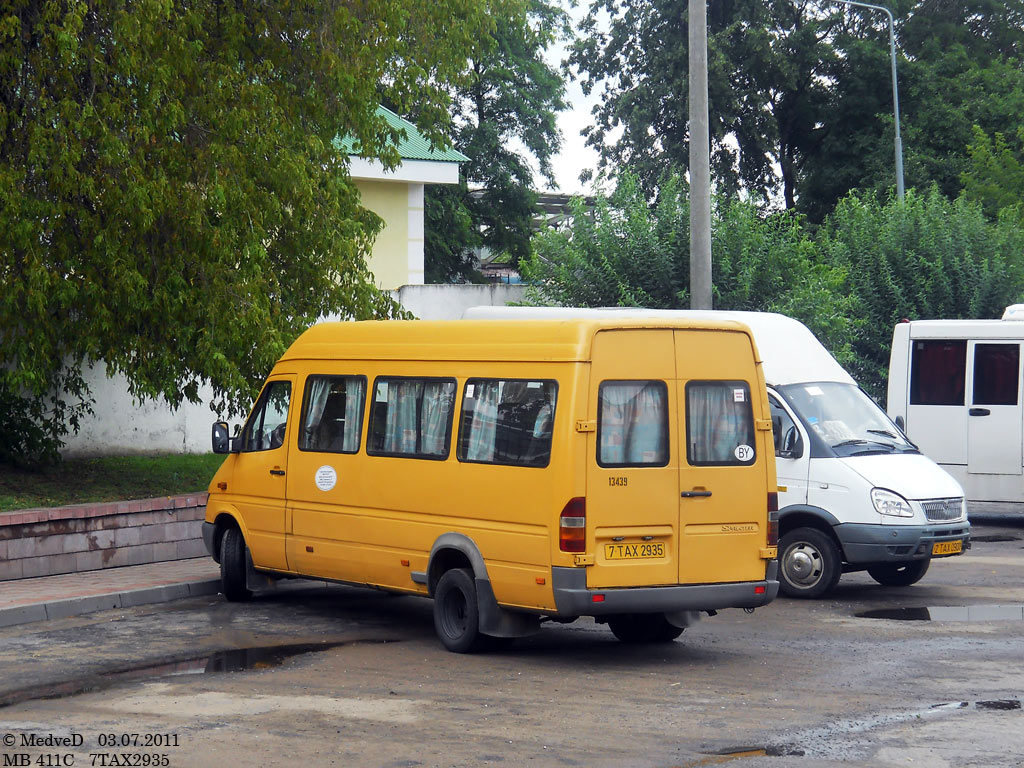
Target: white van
[(955, 385), (854, 493)]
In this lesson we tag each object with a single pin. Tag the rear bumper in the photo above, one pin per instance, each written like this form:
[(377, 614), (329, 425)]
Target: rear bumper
[(573, 598), (897, 543)]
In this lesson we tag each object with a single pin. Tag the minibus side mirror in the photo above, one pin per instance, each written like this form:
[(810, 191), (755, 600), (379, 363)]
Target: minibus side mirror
[(792, 445), (901, 423), (222, 442)]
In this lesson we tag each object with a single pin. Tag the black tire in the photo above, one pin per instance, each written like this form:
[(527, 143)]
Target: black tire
[(456, 614), (635, 628), (809, 563), (232, 566), (899, 574)]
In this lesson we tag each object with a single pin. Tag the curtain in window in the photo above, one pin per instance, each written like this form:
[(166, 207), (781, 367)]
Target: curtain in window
[(480, 443), (437, 400), (400, 426), (718, 423), (318, 390), (632, 424), (354, 391)]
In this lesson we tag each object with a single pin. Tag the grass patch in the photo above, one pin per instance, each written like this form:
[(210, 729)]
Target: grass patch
[(115, 478)]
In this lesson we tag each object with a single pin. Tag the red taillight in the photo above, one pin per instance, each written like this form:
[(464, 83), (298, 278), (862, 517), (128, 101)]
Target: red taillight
[(773, 519), (572, 526)]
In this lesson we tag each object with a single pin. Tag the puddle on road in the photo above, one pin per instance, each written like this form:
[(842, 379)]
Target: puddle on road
[(229, 660), (969, 613)]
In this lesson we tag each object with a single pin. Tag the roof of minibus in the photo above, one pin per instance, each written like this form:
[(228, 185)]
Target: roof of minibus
[(966, 329), (791, 353), (554, 340)]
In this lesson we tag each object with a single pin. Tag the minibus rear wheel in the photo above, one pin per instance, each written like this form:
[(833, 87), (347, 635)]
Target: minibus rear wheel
[(643, 628), (232, 566), (809, 564), (456, 614), (899, 574)]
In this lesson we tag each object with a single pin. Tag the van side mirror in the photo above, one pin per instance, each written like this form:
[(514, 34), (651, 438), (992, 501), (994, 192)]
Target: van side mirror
[(222, 442), (901, 423), (792, 445)]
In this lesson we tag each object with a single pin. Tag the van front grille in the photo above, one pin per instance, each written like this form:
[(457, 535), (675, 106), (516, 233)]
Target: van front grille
[(943, 509)]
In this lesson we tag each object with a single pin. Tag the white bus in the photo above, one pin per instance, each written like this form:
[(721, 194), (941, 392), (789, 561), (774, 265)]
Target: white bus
[(955, 388)]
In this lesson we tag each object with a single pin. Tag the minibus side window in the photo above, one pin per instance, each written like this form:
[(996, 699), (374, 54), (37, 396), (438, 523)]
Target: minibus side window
[(938, 372), (719, 423), (266, 426), (507, 421), (332, 414), (996, 374), (632, 424), (411, 417)]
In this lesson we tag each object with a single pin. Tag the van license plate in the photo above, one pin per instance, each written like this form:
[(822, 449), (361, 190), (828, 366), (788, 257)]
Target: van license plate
[(634, 551), (947, 547)]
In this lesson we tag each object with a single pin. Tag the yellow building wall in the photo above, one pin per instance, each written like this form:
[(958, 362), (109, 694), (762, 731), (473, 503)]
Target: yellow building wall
[(397, 257)]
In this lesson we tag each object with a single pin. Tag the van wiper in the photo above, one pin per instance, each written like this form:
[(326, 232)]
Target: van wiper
[(882, 432), (855, 441)]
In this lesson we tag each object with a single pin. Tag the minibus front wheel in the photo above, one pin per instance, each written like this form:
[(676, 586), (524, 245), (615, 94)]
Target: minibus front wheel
[(456, 613), (899, 574), (232, 566), (809, 563)]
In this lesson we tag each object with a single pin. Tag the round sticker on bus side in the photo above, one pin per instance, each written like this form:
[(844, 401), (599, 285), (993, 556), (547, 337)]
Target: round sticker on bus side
[(744, 453), (326, 478)]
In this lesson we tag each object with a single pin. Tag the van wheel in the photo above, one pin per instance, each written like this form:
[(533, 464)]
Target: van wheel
[(456, 615), (643, 628), (899, 574), (232, 566), (809, 564)]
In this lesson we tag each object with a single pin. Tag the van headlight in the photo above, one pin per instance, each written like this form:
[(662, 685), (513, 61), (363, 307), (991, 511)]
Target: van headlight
[(889, 503)]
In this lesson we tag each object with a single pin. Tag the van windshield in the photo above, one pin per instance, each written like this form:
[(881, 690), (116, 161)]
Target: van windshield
[(846, 419)]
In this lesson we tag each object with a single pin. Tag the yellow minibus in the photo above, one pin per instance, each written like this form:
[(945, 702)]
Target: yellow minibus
[(514, 471)]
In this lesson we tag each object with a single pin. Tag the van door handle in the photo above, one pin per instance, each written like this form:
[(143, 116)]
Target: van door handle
[(277, 471), (695, 494), (979, 411)]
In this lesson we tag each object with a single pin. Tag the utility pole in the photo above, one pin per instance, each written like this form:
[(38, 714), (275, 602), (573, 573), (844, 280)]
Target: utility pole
[(700, 159)]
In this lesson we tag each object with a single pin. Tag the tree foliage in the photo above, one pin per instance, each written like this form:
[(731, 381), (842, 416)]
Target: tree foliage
[(925, 257), (629, 251), (505, 112), (171, 201), (800, 93), (995, 176)]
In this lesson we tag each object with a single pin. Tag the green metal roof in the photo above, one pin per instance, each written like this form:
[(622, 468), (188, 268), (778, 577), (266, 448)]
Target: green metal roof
[(414, 145)]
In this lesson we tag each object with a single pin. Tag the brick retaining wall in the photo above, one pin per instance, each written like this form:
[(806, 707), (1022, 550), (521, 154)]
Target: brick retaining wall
[(87, 537)]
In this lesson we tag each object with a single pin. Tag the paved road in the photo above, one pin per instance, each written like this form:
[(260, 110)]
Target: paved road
[(347, 677)]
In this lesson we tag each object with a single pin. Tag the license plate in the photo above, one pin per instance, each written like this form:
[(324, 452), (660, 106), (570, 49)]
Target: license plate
[(634, 551), (947, 547)]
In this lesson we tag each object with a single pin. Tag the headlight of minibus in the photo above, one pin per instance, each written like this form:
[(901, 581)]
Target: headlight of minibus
[(889, 503)]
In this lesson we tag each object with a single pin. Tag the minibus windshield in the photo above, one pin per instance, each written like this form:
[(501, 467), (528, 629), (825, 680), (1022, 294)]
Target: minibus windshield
[(845, 418)]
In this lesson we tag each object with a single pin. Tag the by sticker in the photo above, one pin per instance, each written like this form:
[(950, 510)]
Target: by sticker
[(743, 453)]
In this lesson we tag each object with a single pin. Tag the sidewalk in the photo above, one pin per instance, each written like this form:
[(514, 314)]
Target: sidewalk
[(72, 594)]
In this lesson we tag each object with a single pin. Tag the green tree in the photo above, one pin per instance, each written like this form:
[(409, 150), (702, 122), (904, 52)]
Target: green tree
[(995, 176), (505, 114), (173, 205), (927, 257), (628, 251)]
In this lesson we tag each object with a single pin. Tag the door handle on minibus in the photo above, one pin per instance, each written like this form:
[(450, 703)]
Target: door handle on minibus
[(277, 471), (979, 412), (695, 494)]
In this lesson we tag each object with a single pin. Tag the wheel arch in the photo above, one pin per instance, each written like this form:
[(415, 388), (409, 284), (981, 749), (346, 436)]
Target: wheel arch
[(224, 519), (806, 516)]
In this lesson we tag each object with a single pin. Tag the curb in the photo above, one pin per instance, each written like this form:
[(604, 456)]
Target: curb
[(62, 609)]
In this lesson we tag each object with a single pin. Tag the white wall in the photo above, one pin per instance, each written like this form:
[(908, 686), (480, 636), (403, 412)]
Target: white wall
[(120, 426)]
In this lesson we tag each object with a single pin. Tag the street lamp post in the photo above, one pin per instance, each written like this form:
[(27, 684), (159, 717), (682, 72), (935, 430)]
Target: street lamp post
[(895, 90)]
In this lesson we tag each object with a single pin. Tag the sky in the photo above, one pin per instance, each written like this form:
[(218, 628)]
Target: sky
[(574, 155)]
